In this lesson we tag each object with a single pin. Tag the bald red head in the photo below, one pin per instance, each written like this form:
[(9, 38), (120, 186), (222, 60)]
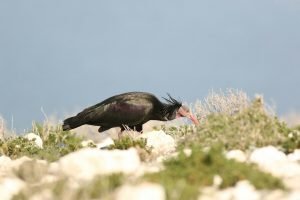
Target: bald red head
[(184, 111)]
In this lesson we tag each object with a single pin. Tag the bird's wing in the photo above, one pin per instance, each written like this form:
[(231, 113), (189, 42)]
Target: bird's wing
[(130, 111)]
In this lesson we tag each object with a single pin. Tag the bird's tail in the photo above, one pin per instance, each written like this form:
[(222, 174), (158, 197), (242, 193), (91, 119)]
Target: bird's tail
[(70, 123)]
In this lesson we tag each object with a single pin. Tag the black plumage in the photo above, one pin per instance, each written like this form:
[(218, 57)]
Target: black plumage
[(131, 109)]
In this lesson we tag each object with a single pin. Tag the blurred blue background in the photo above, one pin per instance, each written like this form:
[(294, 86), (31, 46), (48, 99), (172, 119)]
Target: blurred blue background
[(67, 55)]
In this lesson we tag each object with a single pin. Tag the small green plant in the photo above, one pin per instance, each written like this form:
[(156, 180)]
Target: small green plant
[(55, 145), (248, 128), (18, 147), (126, 142), (62, 143), (292, 141), (184, 175), (101, 187)]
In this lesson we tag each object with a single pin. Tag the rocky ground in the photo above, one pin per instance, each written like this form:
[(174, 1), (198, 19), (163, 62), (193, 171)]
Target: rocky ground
[(240, 151), (36, 179)]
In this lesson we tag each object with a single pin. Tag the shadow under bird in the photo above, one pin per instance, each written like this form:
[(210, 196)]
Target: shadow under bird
[(131, 109)]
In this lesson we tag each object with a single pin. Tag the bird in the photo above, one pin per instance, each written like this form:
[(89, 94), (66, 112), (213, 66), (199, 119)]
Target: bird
[(131, 109)]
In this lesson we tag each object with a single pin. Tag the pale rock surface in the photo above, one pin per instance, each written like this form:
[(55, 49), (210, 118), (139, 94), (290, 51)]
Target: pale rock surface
[(89, 162), (49, 178), (295, 156), (237, 155), (15, 164), (34, 137), (242, 191), (10, 187), (43, 195), (150, 167), (217, 181), (5, 165), (294, 195), (274, 161), (245, 191), (267, 155), (274, 195), (144, 191), (160, 142), (86, 143), (105, 143), (8, 166), (292, 182), (187, 151)]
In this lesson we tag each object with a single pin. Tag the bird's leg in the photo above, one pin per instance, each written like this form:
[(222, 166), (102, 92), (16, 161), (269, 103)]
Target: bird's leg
[(138, 128), (123, 128)]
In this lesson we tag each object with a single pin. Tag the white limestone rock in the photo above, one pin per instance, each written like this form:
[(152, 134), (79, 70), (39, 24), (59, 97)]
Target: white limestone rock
[(15, 164), (8, 166), (10, 187), (34, 137), (45, 194), (5, 165), (105, 143), (217, 181), (237, 155), (86, 143), (274, 161), (144, 191), (160, 142), (294, 195), (89, 162), (163, 157), (245, 191), (274, 195), (188, 152), (295, 156), (267, 155), (242, 191)]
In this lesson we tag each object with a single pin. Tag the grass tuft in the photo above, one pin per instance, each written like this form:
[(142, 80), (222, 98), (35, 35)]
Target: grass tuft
[(127, 142), (185, 175), (249, 128), (56, 144), (101, 187)]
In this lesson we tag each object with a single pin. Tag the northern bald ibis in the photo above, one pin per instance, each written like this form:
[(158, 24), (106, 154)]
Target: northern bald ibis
[(132, 109)]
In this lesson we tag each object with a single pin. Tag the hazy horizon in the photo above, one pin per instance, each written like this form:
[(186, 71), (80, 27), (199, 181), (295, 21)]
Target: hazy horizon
[(65, 56)]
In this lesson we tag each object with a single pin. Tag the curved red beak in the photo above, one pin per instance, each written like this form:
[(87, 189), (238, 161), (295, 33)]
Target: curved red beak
[(183, 113)]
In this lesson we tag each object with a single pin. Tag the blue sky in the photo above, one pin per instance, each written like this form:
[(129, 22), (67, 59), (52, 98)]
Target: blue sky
[(67, 55)]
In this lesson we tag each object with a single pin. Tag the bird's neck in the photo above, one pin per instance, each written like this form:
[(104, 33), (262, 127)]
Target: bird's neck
[(167, 111)]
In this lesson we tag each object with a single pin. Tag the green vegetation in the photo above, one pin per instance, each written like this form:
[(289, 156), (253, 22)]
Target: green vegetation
[(56, 143), (185, 175), (249, 128), (127, 142), (228, 121), (292, 141), (246, 128), (100, 187)]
